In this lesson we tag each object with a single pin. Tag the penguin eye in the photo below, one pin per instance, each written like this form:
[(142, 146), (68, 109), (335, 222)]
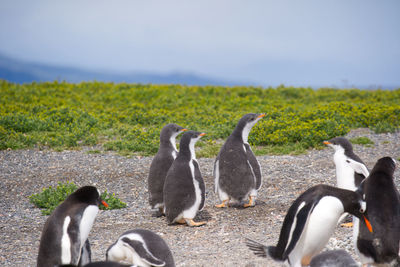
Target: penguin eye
[(363, 206)]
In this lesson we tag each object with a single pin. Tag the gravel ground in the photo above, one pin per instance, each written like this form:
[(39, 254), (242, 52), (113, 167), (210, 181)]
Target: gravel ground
[(219, 243)]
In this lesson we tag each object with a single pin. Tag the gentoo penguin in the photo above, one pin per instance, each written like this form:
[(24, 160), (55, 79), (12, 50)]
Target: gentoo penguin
[(161, 163), (309, 224), (350, 169), (65, 233), (237, 172), (100, 264), (333, 258), (383, 209), (142, 248), (184, 189)]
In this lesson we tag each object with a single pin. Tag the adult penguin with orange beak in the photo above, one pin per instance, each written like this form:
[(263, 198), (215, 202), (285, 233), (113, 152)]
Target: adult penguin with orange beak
[(383, 209), (65, 234), (237, 172), (310, 222)]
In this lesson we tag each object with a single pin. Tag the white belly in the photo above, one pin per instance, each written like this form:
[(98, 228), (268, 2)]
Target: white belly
[(192, 211), (318, 229)]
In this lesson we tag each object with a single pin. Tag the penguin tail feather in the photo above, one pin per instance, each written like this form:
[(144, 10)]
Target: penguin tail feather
[(258, 249)]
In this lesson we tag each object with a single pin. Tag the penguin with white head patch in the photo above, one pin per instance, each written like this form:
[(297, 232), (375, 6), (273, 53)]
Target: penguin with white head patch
[(161, 163), (350, 169), (141, 248), (383, 209), (333, 258), (310, 222), (237, 172), (184, 189), (65, 234), (100, 264)]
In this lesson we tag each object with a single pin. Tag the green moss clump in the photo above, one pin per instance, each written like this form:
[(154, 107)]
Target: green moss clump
[(51, 197)]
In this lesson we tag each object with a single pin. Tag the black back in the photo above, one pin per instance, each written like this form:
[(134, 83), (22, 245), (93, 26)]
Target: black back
[(161, 163), (383, 210), (350, 200), (179, 191), (73, 206)]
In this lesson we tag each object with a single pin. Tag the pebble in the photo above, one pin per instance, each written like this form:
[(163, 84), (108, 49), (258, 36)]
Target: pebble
[(219, 243)]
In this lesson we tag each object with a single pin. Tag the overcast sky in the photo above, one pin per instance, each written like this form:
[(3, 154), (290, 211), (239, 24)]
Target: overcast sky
[(309, 42)]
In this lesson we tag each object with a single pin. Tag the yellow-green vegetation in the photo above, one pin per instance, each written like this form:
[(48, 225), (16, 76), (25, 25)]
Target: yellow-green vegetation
[(128, 117), (51, 197), (362, 140)]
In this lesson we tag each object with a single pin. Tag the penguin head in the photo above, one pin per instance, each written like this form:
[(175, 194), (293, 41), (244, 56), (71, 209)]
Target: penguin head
[(356, 205), (385, 165), (245, 124), (170, 131), (188, 141), (339, 143), (88, 195)]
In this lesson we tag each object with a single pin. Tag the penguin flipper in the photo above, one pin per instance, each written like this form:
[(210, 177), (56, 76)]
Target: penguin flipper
[(199, 178), (257, 248), (146, 255), (216, 174), (86, 254), (358, 167), (255, 166), (302, 217)]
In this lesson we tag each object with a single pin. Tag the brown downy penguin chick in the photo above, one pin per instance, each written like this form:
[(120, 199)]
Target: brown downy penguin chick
[(184, 189), (161, 163), (237, 172)]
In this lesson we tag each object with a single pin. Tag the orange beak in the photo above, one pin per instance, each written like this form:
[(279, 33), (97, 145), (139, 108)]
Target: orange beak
[(104, 203), (183, 130), (261, 115), (202, 134), (327, 142), (369, 226)]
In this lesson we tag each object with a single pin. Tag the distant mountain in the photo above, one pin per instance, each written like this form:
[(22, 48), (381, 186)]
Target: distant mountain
[(19, 71)]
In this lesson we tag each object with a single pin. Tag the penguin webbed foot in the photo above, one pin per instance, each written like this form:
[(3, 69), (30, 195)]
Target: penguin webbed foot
[(192, 223), (224, 204), (347, 225), (251, 203)]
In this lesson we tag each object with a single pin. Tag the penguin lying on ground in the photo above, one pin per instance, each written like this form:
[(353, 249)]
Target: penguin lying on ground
[(65, 234), (161, 163), (184, 189), (101, 264), (309, 224), (333, 258), (383, 209), (142, 248), (237, 172)]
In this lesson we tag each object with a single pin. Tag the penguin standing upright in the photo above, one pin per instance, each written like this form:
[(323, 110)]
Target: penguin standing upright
[(184, 189), (310, 222), (237, 172), (64, 237), (142, 248), (161, 163), (350, 169), (383, 209)]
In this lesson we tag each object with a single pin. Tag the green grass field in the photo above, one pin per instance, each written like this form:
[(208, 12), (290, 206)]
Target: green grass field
[(127, 118)]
